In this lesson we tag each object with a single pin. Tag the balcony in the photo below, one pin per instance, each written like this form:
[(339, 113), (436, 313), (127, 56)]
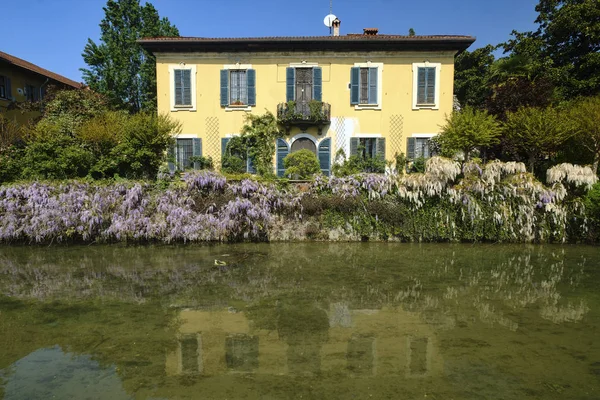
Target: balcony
[(304, 115)]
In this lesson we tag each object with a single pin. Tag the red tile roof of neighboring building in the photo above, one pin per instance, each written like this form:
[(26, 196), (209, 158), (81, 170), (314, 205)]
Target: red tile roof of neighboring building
[(350, 36), (39, 70)]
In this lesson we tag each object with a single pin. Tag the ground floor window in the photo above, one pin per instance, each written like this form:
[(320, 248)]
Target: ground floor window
[(184, 150), (3, 87), (419, 147)]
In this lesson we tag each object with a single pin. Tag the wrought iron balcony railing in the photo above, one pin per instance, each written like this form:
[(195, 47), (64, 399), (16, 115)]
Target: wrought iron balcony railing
[(314, 113)]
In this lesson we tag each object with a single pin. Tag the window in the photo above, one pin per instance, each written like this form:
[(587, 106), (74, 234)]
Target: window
[(426, 85), (238, 87), (360, 356), (31, 93), (241, 352), (3, 88), (183, 87), (419, 147), (184, 150), (368, 147), (365, 85)]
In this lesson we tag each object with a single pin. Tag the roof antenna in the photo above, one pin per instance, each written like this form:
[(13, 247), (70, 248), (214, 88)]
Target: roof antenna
[(328, 21)]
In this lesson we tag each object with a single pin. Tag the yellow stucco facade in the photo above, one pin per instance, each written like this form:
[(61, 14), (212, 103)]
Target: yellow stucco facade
[(394, 116)]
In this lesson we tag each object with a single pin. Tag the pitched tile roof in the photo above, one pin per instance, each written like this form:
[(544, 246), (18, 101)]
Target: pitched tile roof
[(361, 42), (39, 70)]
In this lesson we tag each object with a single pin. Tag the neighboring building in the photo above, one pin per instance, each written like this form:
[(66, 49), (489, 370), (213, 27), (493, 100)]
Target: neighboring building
[(22, 81), (380, 94)]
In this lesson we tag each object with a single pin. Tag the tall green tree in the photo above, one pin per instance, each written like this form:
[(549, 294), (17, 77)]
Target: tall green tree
[(467, 130), (472, 72), (118, 66), (537, 133), (585, 118), (566, 45)]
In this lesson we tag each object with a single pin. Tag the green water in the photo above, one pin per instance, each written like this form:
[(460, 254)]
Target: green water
[(300, 321)]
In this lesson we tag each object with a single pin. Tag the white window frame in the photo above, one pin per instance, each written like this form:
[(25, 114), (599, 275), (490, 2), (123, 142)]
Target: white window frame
[(172, 69), (236, 67), (379, 104), (415, 71)]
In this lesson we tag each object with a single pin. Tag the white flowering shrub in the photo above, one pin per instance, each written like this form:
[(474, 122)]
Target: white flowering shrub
[(494, 202)]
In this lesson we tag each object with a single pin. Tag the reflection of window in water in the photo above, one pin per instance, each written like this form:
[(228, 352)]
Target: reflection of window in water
[(361, 355), (190, 349), (417, 355), (304, 356), (241, 352)]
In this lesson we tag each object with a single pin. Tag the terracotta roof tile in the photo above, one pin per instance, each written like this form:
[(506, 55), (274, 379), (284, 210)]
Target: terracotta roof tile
[(351, 36), (39, 70)]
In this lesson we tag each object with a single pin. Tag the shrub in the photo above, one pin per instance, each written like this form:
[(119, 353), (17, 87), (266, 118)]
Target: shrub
[(202, 162), (301, 164), (232, 165)]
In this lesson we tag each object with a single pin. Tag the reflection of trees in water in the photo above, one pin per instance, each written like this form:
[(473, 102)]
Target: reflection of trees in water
[(439, 281)]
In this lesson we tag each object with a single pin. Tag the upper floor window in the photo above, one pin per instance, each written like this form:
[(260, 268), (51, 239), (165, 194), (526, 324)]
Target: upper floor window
[(238, 87), (4, 87), (31, 93), (183, 87), (426, 90), (365, 85)]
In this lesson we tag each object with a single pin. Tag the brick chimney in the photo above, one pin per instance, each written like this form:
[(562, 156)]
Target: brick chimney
[(370, 31), (336, 26)]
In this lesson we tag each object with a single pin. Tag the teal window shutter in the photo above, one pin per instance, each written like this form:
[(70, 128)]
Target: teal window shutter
[(354, 85), (373, 85), (251, 87), (410, 148), (290, 81), (250, 165), (325, 156), (354, 146), (178, 87), (224, 88), (317, 83), (282, 151), (224, 142), (430, 93), (426, 85), (187, 87), (171, 156), (8, 88), (197, 150), (380, 148)]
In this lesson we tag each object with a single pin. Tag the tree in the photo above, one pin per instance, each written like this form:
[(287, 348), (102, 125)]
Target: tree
[(411, 32), (585, 117), (467, 130), (538, 133), (566, 45), (472, 75), (118, 67)]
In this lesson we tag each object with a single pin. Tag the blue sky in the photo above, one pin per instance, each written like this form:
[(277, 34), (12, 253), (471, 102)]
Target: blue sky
[(53, 33)]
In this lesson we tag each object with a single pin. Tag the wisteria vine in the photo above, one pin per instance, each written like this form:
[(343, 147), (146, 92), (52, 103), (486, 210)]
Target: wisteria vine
[(498, 197)]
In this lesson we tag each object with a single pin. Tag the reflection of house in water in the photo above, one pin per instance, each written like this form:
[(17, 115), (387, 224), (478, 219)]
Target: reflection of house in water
[(355, 342)]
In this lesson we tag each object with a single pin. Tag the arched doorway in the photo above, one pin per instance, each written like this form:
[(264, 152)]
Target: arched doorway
[(304, 143)]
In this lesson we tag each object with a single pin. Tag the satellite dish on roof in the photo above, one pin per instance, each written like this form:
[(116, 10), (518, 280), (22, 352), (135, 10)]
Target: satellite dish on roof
[(328, 21)]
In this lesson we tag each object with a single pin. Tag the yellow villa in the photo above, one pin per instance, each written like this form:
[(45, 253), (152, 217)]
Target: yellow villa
[(370, 93)]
